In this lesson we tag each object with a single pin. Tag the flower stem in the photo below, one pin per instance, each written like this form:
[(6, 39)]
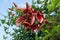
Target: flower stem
[(36, 36)]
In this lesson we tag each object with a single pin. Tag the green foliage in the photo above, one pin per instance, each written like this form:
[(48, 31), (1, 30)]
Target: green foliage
[(54, 34), (9, 13), (3, 21), (53, 4), (5, 28)]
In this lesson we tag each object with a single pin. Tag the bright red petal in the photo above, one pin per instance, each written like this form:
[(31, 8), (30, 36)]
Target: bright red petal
[(34, 12), (40, 18)]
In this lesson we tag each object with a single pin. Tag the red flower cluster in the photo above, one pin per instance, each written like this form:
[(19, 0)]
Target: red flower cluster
[(29, 18)]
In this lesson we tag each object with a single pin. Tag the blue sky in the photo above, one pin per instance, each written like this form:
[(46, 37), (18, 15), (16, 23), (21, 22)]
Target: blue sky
[(4, 5)]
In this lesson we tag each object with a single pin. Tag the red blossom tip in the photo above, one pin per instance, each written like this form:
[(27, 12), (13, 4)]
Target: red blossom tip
[(18, 8), (10, 9), (14, 4), (12, 14), (27, 5)]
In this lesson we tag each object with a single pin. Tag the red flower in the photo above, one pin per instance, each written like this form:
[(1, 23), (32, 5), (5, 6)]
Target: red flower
[(29, 16)]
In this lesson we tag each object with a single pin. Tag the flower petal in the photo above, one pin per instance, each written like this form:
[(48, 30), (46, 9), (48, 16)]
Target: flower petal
[(34, 12), (45, 21), (27, 6), (14, 4), (32, 20), (18, 8), (19, 20), (12, 14), (10, 9), (32, 30), (26, 24), (40, 18)]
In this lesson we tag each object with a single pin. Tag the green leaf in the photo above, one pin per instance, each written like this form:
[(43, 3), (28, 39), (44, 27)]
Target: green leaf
[(19, 12), (56, 30), (52, 5), (8, 23), (3, 21), (13, 7), (58, 4), (5, 37), (39, 1), (5, 28), (33, 5), (9, 13)]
